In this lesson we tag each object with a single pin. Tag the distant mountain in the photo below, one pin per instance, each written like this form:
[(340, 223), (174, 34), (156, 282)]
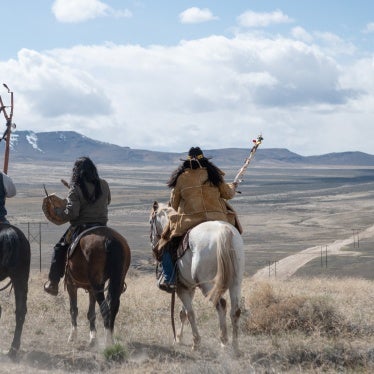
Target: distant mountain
[(66, 146)]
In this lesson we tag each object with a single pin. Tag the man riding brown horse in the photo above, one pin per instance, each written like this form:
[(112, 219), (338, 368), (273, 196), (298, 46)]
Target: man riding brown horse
[(86, 206)]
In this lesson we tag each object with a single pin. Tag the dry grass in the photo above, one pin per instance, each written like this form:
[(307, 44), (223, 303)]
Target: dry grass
[(291, 326)]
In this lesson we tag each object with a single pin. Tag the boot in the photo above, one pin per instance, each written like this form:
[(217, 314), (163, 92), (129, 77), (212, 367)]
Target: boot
[(167, 280), (57, 268), (51, 288)]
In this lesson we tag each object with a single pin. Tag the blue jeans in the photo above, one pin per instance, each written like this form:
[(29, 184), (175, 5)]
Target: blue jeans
[(168, 268)]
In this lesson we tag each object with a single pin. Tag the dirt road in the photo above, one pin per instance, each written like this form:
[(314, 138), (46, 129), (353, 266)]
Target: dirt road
[(288, 266)]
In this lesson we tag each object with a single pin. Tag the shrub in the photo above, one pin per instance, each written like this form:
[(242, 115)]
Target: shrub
[(273, 314), (115, 353)]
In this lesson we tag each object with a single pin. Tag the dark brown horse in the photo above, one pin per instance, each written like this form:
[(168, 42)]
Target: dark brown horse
[(15, 264), (98, 255)]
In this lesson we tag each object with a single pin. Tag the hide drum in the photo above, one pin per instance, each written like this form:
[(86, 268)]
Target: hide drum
[(49, 203)]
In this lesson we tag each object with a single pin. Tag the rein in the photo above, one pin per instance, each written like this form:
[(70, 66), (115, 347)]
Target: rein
[(154, 234), (6, 286)]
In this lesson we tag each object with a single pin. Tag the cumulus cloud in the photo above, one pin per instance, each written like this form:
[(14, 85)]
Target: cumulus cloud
[(334, 44), (73, 11), (218, 90), (369, 28), (301, 34), (196, 15), (258, 19), (55, 90)]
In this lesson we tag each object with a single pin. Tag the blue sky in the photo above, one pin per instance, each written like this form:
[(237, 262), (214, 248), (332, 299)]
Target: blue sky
[(167, 75)]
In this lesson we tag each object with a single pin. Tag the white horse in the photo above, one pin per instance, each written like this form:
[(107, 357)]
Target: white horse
[(214, 263)]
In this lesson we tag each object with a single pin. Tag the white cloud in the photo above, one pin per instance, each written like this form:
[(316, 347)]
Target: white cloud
[(221, 91), (301, 34), (334, 44), (369, 28), (257, 19), (72, 11), (196, 15)]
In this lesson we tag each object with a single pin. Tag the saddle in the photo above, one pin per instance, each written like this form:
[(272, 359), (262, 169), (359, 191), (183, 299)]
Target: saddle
[(178, 246), (78, 233), (184, 245)]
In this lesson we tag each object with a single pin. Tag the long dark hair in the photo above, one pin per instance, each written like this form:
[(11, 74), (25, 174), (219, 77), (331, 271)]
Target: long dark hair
[(84, 171), (195, 160)]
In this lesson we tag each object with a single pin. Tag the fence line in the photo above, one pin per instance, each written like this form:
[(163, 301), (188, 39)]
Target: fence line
[(43, 235)]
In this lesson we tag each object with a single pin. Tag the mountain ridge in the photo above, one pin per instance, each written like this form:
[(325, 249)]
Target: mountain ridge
[(66, 146)]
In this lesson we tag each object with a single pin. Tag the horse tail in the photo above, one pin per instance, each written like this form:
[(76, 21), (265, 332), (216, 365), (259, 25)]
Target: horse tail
[(226, 259), (114, 266)]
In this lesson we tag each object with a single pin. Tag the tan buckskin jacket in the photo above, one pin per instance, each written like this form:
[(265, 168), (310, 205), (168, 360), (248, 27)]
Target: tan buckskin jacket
[(195, 200)]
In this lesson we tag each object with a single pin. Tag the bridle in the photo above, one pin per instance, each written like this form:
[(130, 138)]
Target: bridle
[(154, 234), (156, 226)]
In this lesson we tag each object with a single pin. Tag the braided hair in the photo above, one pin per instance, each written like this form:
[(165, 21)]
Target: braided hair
[(196, 159), (84, 171)]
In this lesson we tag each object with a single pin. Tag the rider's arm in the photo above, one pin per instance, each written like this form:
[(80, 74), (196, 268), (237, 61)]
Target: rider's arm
[(227, 190), (10, 188), (72, 208)]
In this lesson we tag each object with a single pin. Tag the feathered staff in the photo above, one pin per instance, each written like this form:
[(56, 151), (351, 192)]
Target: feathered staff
[(243, 169)]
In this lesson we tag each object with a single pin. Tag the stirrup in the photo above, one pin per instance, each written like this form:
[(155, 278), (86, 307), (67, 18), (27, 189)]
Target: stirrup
[(164, 286), (51, 288)]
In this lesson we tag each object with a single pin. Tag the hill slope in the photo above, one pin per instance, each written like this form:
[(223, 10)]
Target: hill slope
[(66, 146)]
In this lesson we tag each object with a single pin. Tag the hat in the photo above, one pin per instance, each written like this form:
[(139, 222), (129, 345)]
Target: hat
[(196, 154)]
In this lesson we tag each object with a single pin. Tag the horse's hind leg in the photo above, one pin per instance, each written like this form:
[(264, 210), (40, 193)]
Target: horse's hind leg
[(91, 316), (105, 312), (72, 291), (186, 296), (183, 318), (221, 310), (113, 300), (20, 293), (235, 312)]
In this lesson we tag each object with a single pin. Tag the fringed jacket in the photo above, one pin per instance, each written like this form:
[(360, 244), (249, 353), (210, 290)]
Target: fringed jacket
[(196, 200)]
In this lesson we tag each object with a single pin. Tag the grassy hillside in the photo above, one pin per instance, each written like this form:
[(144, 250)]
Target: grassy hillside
[(314, 325)]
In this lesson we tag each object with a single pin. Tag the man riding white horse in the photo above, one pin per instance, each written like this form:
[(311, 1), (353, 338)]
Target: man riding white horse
[(198, 194)]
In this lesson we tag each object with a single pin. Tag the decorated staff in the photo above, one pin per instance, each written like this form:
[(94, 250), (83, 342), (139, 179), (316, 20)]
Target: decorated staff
[(9, 126), (257, 142)]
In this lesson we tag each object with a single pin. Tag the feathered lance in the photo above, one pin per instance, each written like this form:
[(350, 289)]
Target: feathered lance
[(257, 142), (9, 126)]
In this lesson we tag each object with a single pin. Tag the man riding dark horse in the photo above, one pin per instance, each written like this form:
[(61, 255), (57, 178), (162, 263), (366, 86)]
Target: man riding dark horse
[(86, 206), (198, 194)]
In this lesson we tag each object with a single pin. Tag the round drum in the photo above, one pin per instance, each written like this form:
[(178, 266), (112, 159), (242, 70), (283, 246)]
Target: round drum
[(49, 203)]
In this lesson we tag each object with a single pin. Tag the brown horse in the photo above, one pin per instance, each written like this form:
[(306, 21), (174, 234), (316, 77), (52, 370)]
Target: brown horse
[(15, 264), (99, 254)]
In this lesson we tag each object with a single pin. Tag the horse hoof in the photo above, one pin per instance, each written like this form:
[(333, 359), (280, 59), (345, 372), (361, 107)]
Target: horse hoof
[(92, 338), (12, 354), (73, 336), (92, 342)]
